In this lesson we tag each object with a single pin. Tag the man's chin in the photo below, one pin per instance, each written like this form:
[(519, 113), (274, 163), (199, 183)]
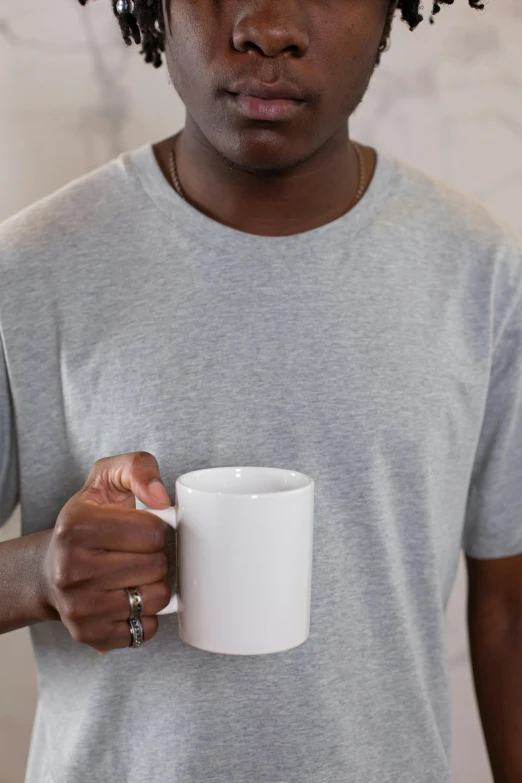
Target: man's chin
[(264, 154)]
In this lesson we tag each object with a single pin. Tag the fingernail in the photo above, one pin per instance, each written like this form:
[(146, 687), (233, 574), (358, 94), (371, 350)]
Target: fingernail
[(158, 491)]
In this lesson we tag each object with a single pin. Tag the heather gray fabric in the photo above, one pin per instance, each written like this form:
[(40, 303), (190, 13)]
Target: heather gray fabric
[(380, 354)]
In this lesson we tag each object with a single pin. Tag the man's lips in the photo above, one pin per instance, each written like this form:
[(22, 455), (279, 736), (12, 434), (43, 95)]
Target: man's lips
[(267, 90), (266, 101), (265, 108)]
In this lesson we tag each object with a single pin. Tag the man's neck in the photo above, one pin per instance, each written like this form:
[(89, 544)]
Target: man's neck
[(300, 199)]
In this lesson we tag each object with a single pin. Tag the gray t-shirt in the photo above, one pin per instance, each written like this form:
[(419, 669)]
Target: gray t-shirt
[(379, 354)]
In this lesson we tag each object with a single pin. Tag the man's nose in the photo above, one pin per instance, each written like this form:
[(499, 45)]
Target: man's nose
[(272, 27)]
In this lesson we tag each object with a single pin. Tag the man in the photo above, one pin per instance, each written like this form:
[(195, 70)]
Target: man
[(261, 290)]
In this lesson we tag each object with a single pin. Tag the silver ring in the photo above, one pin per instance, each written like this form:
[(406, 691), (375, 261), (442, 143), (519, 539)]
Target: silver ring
[(137, 632), (135, 601), (125, 7)]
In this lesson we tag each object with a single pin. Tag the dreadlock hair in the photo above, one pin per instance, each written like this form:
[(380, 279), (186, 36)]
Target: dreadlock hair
[(146, 24)]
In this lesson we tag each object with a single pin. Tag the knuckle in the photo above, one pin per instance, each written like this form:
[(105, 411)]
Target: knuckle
[(94, 478), (72, 532), (73, 613), (98, 475), (62, 576), (140, 457), (99, 465), (95, 484), (79, 632), (63, 528), (69, 572), (74, 630), (78, 609), (86, 634)]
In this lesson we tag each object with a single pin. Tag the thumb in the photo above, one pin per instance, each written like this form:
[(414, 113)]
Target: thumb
[(117, 479), (158, 492), (146, 480)]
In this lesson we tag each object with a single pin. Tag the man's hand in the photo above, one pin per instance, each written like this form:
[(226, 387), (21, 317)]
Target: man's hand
[(495, 640), (102, 544)]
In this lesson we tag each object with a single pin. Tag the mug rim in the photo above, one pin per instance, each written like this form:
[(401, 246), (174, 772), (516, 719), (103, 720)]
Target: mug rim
[(309, 480)]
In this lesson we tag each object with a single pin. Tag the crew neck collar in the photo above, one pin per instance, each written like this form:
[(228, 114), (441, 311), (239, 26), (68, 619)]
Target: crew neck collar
[(143, 165)]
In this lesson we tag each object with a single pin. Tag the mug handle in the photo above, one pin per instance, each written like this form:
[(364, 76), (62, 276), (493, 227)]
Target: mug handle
[(170, 516)]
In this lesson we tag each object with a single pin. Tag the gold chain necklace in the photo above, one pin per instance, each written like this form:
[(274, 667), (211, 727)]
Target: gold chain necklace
[(179, 190)]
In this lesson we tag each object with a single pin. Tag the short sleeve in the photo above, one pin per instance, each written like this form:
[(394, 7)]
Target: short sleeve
[(9, 472), (493, 519)]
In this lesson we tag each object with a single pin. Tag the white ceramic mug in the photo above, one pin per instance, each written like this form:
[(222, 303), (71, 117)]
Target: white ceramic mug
[(244, 543)]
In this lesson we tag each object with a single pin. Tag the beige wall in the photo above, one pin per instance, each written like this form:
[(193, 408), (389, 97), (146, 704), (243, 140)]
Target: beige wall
[(446, 98)]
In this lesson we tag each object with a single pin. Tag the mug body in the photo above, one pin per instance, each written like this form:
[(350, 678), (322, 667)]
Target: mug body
[(245, 558)]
